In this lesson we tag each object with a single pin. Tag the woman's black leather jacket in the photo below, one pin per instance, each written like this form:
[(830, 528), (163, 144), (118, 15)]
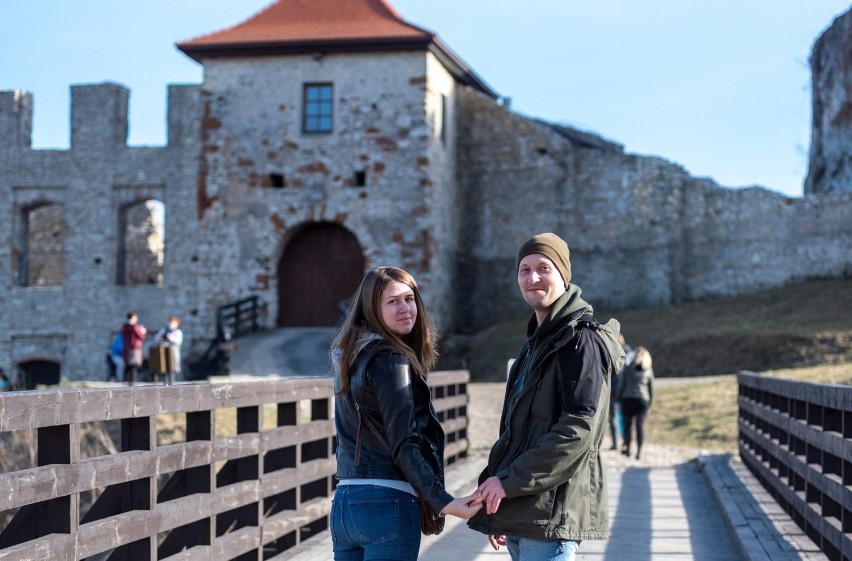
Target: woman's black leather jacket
[(397, 402)]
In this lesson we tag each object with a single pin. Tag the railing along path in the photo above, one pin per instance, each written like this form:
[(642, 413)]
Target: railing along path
[(252, 478), (796, 437)]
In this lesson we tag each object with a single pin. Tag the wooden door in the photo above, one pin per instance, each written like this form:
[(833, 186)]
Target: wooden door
[(320, 268)]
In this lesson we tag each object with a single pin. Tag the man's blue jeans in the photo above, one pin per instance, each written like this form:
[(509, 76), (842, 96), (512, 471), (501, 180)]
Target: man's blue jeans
[(371, 523), (524, 549)]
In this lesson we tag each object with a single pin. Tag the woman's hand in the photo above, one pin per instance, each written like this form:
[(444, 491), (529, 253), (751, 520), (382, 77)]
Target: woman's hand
[(463, 507)]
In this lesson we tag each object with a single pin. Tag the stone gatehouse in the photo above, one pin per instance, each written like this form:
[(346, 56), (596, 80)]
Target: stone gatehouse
[(332, 136)]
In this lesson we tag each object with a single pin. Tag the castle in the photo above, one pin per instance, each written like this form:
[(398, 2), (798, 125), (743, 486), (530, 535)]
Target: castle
[(333, 136)]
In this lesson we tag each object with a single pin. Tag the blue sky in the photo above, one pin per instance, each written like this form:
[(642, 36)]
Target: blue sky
[(720, 87)]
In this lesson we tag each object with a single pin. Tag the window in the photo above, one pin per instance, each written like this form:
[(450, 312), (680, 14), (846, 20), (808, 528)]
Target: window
[(42, 260), (318, 106), (142, 247)]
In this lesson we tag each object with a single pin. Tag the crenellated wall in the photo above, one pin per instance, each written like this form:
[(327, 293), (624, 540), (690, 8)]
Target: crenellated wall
[(92, 181)]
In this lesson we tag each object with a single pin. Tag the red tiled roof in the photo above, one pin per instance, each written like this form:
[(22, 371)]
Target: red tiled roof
[(294, 22), (305, 26)]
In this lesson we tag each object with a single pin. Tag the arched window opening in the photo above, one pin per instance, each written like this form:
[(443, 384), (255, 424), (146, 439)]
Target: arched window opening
[(42, 260), (143, 243)]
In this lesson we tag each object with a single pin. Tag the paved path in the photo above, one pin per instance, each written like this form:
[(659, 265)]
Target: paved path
[(301, 351), (673, 505), (708, 509)]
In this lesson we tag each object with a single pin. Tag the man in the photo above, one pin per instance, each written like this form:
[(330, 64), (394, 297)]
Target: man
[(544, 489)]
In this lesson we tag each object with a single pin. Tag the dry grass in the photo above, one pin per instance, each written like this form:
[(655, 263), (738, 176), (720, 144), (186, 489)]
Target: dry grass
[(703, 414), (799, 326)]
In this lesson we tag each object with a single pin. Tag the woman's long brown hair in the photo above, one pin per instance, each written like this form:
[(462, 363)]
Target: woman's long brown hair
[(364, 316)]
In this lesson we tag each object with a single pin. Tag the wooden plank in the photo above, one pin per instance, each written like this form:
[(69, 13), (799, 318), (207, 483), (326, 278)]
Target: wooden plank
[(235, 495), (58, 547), (234, 447), (282, 523), (286, 479), (109, 533), (236, 543)]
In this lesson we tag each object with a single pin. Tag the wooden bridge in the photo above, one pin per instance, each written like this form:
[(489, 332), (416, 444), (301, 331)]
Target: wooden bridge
[(239, 471)]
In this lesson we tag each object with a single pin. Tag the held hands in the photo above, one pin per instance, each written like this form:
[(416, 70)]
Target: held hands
[(496, 541), (463, 507), (491, 493)]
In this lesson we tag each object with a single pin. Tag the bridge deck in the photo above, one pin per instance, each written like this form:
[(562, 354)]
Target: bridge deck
[(709, 509)]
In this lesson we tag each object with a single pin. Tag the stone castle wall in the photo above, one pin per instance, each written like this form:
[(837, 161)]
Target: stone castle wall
[(642, 232), (92, 181), (455, 182)]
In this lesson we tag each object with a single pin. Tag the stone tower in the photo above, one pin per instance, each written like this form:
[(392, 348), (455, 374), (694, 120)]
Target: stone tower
[(328, 144)]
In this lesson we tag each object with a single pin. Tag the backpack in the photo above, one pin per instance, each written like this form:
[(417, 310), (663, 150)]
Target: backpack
[(608, 332)]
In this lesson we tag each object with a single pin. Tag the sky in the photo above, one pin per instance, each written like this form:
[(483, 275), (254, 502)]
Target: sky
[(721, 88)]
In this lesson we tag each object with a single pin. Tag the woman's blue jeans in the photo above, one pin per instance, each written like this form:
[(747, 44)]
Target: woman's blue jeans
[(524, 549), (372, 523)]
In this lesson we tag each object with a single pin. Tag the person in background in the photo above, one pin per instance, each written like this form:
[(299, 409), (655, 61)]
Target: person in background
[(390, 452), (544, 488), (635, 393), (116, 358), (615, 420), (172, 336), (5, 383), (133, 336)]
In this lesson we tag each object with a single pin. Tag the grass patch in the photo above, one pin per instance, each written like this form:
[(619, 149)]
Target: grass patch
[(797, 326), (703, 414)]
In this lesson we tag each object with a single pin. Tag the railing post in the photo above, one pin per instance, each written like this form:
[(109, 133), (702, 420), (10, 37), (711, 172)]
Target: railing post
[(59, 445)]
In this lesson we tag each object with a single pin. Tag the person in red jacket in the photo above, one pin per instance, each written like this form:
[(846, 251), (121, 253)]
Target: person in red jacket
[(133, 335)]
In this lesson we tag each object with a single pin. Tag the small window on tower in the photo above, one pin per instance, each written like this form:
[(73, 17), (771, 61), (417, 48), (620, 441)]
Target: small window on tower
[(318, 105), (277, 180), (360, 178)]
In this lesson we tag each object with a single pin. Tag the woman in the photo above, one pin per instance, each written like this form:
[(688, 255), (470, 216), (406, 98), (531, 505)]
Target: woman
[(390, 443), (133, 335), (635, 393)]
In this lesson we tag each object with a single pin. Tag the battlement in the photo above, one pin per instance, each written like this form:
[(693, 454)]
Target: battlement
[(16, 118), (99, 116)]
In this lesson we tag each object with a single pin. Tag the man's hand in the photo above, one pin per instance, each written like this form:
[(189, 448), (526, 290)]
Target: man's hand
[(496, 541), (491, 493)]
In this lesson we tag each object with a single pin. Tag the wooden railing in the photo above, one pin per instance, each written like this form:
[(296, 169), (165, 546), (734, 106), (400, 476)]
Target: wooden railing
[(252, 478), (232, 320), (796, 437)]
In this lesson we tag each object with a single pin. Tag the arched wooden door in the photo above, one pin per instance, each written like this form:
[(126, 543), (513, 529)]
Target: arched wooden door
[(319, 269)]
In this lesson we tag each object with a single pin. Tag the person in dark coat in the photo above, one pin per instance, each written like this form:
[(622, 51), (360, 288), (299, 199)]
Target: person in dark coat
[(390, 452), (544, 488)]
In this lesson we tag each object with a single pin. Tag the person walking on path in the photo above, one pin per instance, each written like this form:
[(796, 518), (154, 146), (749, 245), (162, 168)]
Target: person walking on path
[(544, 488), (390, 454), (616, 422), (133, 335), (635, 393)]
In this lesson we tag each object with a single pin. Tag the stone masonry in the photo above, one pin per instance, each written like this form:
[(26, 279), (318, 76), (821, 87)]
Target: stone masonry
[(424, 171)]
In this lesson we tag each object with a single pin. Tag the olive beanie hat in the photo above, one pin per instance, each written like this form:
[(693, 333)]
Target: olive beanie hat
[(551, 246)]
